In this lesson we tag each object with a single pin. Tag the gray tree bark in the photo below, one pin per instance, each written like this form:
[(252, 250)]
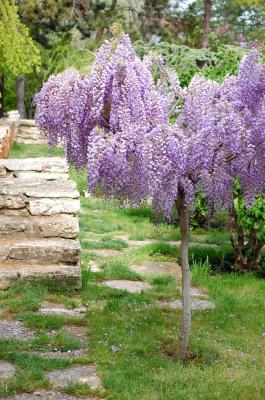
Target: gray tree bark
[(206, 23), (186, 299), (21, 95)]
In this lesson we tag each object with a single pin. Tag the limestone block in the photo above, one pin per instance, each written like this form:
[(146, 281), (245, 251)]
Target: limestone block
[(12, 201), (63, 226), (3, 172), (40, 251), (40, 164), (54, 206), (49, 176), (63, 273)]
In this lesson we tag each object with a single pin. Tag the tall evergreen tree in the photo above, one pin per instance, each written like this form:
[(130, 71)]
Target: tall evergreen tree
[(18, 53)]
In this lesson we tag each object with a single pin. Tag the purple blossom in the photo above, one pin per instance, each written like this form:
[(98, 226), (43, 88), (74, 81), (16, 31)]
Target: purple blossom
[(117, 123)]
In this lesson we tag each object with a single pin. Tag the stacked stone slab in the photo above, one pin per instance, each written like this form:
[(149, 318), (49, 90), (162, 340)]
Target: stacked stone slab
[(39, 230), (28, 133), (7, 132)]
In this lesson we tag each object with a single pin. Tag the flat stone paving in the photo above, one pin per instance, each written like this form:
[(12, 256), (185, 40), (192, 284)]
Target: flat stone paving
[(46, 395), (78, 374), (129, 286), (63, 354), (105, 252), (196, 305), (48, 308), (7, 370), (94, 267), (157, 268), (78, 332), (14, 330)]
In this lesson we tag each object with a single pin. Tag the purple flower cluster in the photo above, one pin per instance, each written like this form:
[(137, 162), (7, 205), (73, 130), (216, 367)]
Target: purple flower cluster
[(118, 123)]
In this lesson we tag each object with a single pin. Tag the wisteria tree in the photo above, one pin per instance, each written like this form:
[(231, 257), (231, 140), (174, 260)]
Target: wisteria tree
[(117, 122)]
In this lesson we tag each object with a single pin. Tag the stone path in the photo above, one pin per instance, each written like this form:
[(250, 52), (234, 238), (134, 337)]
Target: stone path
[(105, 252), (78, 332), (39, 229), (157, 268), (7, 370), (196, 305), (47, 395), (81, 374), (48, 308), (69, 354), (14, 330), (129, 286), (29, 133)]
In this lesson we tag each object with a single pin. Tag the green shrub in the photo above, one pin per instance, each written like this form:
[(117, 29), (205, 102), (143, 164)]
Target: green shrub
[(220, 259)]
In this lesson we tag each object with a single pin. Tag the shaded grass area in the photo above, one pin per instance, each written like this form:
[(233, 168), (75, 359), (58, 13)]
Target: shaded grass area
[(20, 150), (132, 340)]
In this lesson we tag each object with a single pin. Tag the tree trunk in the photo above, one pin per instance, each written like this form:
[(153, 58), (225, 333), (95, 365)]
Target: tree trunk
[(2, 87), (186, 300), (206, 23), (247, 248), (21, 95)]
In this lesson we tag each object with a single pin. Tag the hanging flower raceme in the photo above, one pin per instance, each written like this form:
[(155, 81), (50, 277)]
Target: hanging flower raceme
[(216, 139), (139, 137), (63, 114), (103, 119)]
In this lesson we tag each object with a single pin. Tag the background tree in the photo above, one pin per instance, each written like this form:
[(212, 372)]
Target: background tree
[(18, 53), (206, 23)]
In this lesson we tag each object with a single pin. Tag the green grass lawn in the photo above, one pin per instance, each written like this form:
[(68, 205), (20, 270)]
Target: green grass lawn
[(227, 343)]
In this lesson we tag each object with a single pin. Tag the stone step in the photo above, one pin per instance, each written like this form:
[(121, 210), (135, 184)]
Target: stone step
[(36, 197), (38, 188), (11, 271), (56, 226), (41, 168), (39, 164), (39, 251)]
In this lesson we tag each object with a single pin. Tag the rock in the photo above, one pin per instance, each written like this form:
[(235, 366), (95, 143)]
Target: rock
[(63, 226), (53, 206), (94, 267), (3, 172), (196, 305), (195, 292), (48, 308), (38, 224), (27, 122), (70, 354), (37, 188), (7, 370), (77, 374), (10, 272), (45, 176), (7, 131), (157, 268), (104, 252), (39, 164), (78, 332), (139, 243), (40, 251), (47, 395), (14, 330), (12, 202), (129, 286)]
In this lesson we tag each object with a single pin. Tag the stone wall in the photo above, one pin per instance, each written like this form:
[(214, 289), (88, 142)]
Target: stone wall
[(28, 133), (12, 128), (8, 129), (39, 229), (7, 132)]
